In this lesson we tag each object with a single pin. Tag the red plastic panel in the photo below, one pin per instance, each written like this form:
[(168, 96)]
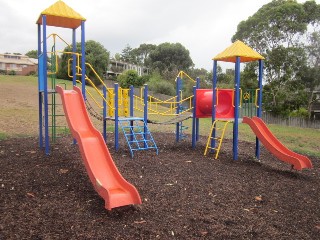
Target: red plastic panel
[(224, 103)]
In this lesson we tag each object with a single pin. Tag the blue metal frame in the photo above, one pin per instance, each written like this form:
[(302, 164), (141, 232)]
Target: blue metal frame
[(178, 86), (131, 107), (139, 134), (40, 94), (214, 97), (74, 58), (145, 115), (116, 126), (45, 77), (83, 60), (194, 138), (259, 109), (236, 109), (104, 89), (197, 119)]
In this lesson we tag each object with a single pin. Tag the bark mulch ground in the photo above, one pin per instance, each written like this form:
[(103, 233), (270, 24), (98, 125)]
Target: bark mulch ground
[(185, 195)]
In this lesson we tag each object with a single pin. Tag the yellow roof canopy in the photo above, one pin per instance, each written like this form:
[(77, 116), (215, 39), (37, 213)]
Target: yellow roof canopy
[(61, 15), (238, 49)]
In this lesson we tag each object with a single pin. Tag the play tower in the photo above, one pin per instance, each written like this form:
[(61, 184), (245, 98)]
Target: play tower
[(237, 53), (57, 15)]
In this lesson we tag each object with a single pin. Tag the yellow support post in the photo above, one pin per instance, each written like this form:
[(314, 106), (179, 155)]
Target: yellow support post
[(111, 101)]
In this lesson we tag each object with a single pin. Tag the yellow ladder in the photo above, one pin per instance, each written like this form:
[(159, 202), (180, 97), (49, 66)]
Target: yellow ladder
[(214, 127)]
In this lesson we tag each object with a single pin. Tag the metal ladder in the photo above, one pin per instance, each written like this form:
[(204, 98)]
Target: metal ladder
[(213, 130), (137, 134)]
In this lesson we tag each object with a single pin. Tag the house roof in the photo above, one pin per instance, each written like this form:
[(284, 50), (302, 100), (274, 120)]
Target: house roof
[(238, 49), (22, 60), (61, 15)]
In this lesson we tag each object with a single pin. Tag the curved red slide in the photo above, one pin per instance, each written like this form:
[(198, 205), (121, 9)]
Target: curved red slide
[(103, 173), (275, 146)]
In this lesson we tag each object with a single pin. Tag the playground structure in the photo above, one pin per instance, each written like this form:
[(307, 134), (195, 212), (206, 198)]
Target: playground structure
[(120, 105)]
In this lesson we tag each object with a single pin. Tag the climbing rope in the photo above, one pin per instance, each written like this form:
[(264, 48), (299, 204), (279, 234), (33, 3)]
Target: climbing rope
[(93, 112)]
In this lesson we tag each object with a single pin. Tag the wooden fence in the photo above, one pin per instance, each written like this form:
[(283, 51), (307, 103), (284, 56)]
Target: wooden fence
[(290, 121)]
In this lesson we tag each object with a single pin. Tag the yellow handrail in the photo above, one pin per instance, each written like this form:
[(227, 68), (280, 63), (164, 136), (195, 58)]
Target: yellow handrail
[(240, 105), (182, 73), (92, 97), (256, 98)]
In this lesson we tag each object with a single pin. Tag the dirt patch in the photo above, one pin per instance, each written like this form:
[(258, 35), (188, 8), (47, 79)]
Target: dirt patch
[(185, 195)]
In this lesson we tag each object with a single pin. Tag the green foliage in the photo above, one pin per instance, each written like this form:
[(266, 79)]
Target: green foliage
[(278, 30), (96, 55), (170, 57), (158, 85), (301, 112), (142, 53), (128, 55), (12, 72), (32, 54), (128, 78)]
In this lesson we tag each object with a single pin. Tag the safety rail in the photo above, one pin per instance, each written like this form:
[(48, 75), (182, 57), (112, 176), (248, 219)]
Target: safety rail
[(123, 93), (54, 35), (155, 103), (91, 96), (256, 98), (182, 73)]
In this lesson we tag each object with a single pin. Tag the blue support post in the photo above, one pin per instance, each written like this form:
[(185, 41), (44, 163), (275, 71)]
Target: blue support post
[(259, 109), (145, 111), (197, 119), (131, 109), (74, 58), (104, 114), (178, 84), (116, 120), (214, 98), (83, 60), (40, 94), (45, 92), (236, 109), (194, 138)]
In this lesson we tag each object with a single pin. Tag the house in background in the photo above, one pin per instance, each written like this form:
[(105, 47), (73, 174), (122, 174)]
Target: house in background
[(315, 106), (117, 67), (17, 64)]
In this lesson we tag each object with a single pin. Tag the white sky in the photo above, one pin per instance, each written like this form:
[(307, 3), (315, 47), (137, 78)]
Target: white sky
[(204, 27)]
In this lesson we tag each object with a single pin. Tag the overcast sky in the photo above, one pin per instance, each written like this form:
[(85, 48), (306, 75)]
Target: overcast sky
[(204, 27)]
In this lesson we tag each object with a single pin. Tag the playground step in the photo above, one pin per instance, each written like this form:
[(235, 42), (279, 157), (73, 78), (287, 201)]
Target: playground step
[(137, 134), (211, 139)]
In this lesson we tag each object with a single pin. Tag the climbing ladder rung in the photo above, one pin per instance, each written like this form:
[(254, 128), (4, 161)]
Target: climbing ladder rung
[(137, 136), (212, 138)]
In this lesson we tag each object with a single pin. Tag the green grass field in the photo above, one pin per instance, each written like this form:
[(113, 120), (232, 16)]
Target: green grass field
[(19, 107)]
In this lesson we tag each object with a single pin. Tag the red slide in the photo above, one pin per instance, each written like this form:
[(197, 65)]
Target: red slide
[(275, 146), (103, 173)]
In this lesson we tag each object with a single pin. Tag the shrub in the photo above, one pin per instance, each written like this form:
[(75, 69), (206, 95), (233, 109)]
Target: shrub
[(128, 78), (301, 112), (158, 85), (12, 72)]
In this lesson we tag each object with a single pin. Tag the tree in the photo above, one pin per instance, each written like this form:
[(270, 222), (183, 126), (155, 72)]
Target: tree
[(170, 57), (127, 55), (117, 57), (32, 54), (278, 31), (96, 55), (310, 79), (143, 51)]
